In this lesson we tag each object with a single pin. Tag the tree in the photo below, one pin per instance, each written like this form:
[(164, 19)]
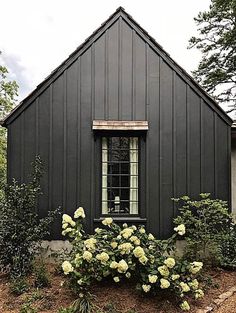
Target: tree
[(216, 71), (8, 92)]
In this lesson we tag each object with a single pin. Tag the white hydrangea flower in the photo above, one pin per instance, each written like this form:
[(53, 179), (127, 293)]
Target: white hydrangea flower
[(164, 283), (126, 232), (146, 288), (180, 229), (163, 270), (199, 294), (175, 276), (142, 230), (66, 219), (185, 287), (152, 279), (114, 244), (125, 248), (90, 243), (143, 259), (170, 262), (195, 267), (138, 252), (116, 279), (87, 256), (79, 213), (67, 267), (185, 306), (151, 237), (98, 230), (113, 265), (194, 284), (122, 266), (103, 257), (107, 221)]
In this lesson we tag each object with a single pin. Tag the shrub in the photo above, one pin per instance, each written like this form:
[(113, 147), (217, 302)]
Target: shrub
[(227, 248), (210, 231), (41, 276), (21, 230), (124, 252)]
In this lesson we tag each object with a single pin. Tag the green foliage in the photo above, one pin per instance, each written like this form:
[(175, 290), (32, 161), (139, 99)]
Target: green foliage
[(227, 249), (209, 228), (27, 308), (41, 276), (67, 310), (21, 230), (127, 252), (8, 92), (217, 42), (19, 285)]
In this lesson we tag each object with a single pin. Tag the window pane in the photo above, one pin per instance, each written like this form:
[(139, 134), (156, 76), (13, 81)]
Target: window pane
[(120, 175)]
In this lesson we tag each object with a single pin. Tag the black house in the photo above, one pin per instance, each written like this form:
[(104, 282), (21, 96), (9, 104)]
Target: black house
[(121, 128)]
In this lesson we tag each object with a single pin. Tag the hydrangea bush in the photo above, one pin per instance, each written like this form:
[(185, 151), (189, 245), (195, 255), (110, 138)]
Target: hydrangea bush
[(128, 252)]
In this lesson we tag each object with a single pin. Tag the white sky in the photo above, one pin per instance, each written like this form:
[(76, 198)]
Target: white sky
[(37, 35)]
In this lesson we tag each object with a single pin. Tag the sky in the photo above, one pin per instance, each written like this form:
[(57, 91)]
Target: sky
[(36, 36)]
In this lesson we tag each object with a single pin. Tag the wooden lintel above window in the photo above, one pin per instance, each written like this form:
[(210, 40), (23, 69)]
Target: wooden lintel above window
[(120, 125)]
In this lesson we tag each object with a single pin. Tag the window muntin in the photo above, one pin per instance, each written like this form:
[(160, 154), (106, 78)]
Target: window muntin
[(120, 172)]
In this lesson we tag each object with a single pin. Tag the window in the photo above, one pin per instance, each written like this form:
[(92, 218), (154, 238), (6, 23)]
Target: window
[(120, 172)]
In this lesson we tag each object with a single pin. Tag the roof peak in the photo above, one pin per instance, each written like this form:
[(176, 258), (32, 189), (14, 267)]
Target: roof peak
[(118, 13)]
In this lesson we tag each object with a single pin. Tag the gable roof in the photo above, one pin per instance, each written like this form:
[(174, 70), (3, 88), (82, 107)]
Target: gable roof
[(119, 13)]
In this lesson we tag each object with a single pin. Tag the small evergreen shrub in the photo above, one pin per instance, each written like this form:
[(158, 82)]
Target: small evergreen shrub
[(21, 230), (210, 230), (121, 253)]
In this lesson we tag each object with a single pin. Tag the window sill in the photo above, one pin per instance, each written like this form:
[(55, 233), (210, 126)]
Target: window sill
[(127, 219)]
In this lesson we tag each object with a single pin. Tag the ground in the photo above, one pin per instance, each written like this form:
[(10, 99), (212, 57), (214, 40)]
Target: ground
[(113, 298)]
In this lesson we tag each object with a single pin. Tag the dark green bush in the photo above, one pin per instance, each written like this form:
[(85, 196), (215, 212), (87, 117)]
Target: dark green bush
[(21, 230), (210, 230)]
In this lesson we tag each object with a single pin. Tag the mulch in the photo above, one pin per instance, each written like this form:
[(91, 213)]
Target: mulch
[(116, 298)]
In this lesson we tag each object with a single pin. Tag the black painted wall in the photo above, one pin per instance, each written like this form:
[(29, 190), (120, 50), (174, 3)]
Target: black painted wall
[(121, 74)]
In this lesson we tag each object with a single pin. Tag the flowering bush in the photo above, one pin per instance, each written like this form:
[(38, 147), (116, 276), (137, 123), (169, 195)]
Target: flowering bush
[(210, 232), (124, 253)]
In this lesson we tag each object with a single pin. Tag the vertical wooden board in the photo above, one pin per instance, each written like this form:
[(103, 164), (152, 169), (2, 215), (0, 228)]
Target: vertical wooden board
[(43, 144), (207, 150), (180, 138), (194, 143), (100, 72), (86, 136), (57, 157), (166, 151), (72, 137), (29, 139), (126, 72), (152, 142), (112, 82), (140, 78), (221, 162), (15, 148)]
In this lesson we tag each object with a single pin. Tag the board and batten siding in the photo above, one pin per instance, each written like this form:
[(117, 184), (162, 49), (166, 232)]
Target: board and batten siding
[(120, 76)]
